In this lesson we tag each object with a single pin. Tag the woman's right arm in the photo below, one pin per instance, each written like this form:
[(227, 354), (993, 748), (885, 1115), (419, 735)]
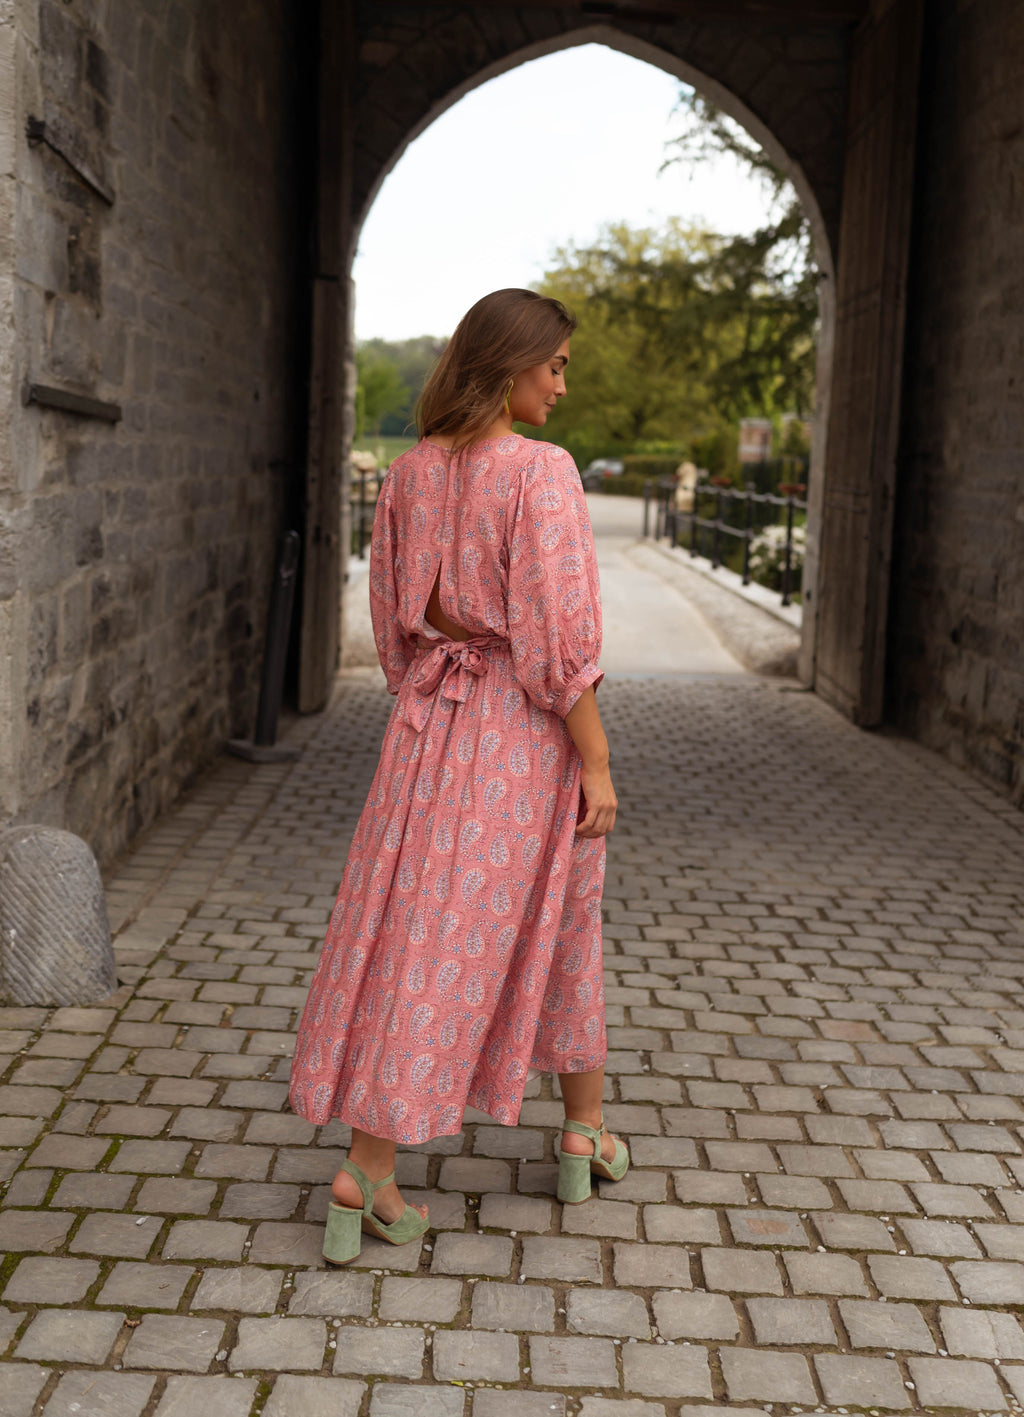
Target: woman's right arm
[(584, 724)]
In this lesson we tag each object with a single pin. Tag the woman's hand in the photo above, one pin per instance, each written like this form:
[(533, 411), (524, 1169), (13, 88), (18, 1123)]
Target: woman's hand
[(599, 802)]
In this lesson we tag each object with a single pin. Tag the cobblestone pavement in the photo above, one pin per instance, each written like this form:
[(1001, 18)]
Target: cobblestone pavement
[(815, 954)]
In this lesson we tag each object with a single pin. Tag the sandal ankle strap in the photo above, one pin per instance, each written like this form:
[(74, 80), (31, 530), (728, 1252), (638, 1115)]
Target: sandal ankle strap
[(366, 1186), (593, 1134)]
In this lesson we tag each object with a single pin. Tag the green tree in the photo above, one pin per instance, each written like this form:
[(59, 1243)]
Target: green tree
[(412, 360), (380, 390), (771, 275), (682, 333)]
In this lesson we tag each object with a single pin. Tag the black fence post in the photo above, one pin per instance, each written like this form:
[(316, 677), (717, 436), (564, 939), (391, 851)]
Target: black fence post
[(647, 507), (361, 540), (748, 509), (787, 570), (716, 538)]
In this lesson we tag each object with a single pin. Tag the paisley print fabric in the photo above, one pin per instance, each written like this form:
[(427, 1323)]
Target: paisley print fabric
[(465, 944)]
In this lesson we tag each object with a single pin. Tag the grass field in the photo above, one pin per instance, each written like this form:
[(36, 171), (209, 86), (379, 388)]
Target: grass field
[(385, 450)]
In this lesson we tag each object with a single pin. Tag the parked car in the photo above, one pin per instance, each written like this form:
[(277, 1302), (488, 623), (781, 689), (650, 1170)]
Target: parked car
[(594, 474)]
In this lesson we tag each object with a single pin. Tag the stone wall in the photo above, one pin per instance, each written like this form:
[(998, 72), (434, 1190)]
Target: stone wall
[(956, 642), (785, 80), (135, 558)]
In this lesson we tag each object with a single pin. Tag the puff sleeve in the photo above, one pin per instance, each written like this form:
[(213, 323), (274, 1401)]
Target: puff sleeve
[(395, 649), (554, 599)]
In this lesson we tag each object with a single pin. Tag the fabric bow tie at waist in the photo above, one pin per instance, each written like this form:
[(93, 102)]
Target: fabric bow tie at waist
[(451, 665)]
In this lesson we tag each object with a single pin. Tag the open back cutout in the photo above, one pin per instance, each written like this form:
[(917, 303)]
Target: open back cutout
[(437, 619)]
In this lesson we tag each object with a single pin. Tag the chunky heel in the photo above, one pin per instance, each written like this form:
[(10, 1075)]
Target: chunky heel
[(346, 1225), (574, 1183), (343, 1235), (574, 1172)]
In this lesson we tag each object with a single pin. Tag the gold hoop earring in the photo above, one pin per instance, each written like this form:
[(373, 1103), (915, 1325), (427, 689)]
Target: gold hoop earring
[(508, 396)]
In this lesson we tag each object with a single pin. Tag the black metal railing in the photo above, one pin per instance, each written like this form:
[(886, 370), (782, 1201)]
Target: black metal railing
[(721, 514)]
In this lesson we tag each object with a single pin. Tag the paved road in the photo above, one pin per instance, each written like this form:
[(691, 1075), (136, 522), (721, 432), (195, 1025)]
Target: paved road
[(649, 626), (815, 969)]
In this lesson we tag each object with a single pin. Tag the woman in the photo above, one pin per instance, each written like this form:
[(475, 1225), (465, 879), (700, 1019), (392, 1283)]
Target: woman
[(465, 946)]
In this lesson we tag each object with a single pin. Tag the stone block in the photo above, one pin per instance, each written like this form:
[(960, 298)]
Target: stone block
[(572, 1261), (23, 1382), (940, 1237), (329, 1293), (471, 1254), (990, 1281), (957, 1383), (766, 1377), (671, 1223), (740, 1271), (126, 1236), (475, 1175), (489, 1402), (245, 1290), (256, 1201), (861, 1382), (665, 1371), (652, 1266), (185, 1396), (280, 1242), (515, 1308), (95, 1192), (116, 1394), (173, 1343), (516, 1213), (326, 1397), (852, 1232), (791, 1322), (825, 1274), (69, 1336), (388, 1352), (464, 1356), (53, 920), (206, 1240), (165, 1158), (176, 1195), (573, 1362), (145, 1286), (601, 1218), (898, 1277), (243, 1163), (777, 1229), (981, 1333), (871, 1324), (695, 1315), (411, 1299), (608, 1312), (401, 1400), (42, 1280), (272, 1344)]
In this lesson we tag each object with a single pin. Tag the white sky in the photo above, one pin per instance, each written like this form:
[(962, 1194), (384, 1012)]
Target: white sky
[(541, 156)]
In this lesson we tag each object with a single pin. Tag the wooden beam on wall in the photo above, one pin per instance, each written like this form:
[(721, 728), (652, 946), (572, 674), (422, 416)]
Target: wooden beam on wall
[(871, 286), (324, 548)]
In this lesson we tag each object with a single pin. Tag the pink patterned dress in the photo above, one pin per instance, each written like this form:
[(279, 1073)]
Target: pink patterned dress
[(465, 945)]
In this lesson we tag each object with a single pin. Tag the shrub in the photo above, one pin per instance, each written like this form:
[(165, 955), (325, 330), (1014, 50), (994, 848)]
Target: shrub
[(768, 557), (651, 465)]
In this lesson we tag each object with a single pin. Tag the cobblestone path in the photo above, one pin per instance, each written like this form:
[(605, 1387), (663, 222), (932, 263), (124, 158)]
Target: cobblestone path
[(815, 954)]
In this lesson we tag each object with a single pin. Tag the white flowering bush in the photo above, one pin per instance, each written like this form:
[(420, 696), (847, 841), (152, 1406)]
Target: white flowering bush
[(768, 557)]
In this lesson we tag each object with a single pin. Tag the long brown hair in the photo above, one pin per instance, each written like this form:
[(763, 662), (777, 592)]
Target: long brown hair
[(500, 336)]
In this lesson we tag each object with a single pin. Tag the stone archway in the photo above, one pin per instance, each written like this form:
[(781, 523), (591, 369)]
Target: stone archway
[(830, 90), (381, 142)]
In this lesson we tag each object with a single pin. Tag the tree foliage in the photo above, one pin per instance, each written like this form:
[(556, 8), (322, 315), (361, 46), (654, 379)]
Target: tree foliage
[(389, 377), (683, 332)]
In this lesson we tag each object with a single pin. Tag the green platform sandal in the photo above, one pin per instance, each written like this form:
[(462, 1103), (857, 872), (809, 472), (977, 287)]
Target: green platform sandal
[(574, 1172), (345, 1225)]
